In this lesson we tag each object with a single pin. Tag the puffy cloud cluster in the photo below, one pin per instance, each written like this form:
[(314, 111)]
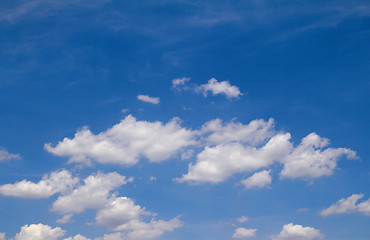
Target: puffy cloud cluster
[(4, 155), (179, 82), (242, 233), (223, 87), (298, 232), (39, 232), (56, 182), (146, 98), (348, 205), (125, 143)]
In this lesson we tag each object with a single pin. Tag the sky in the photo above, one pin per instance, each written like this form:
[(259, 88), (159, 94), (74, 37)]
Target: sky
[(178, 120)]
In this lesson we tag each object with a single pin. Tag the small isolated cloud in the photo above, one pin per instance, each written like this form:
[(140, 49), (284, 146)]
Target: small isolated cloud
[(65, 219), (152, 178), (4, 155), (348, 205), (242, 219), (39, 232), (298, 232), (258, 180), (125, 143), (146, 98), (56, 182), (216, 88), (242, 233), (179, 82)]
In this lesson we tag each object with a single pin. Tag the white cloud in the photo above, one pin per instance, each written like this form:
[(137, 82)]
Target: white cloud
[(254, 133), (4, 155), (244, 233), (258, 180), (242, 219), (65, 219), (93, 194), (56, 182), (78, 237), (179, 82), (125, 142), (39, 232), (216, 88), (216, 164), (298, 232), (348, 205), (309, 160), (2, 236), (152, 178), (146, 98)]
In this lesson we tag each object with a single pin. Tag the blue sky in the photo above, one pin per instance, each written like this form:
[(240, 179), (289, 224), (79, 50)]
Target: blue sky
[(125, 120)]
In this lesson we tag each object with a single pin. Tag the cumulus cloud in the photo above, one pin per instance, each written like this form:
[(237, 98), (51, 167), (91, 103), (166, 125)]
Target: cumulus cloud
[(216, 164), (39, 232), (309, 160), (348, 205), (92, 194), (2, 236), (256, 132), (258, 180), (178, 82), (146, 98), (56, 182), (125, 143), (244, 233), (4, 155), (216, 88), (78, 237), (298, 232)]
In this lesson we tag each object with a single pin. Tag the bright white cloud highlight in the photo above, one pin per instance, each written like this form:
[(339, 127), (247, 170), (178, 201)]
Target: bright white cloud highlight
[(348, 205), (56, 182), (78, 237), (39, 232), (93, 194), (216, 164), (4, 155), (216, 88), (242, 233), (258, 180), (146, 98), (125, 143), (298, 232), (309, 160)]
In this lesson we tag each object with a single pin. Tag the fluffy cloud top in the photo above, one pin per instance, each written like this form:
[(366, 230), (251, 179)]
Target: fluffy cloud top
[(4, 155), (39, 232), (309, 160), (298, 232), (125, 142), (216, 88), (93, 194), (216, 164), (258, 180), (244, 233), (56, 182), (348, 205)]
